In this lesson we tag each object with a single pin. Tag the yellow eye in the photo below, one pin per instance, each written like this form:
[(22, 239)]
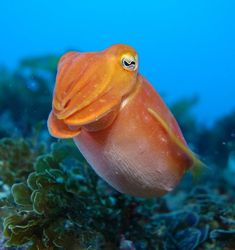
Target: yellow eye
[(129, 62)]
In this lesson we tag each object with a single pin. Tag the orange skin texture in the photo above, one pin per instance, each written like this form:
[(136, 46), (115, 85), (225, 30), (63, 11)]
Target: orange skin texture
[(106, 110)]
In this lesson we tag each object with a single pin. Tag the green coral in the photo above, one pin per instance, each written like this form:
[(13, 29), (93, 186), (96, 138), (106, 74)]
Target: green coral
[(46, 207), (17, 157), (218, 142), (25, 94), (62, 204)]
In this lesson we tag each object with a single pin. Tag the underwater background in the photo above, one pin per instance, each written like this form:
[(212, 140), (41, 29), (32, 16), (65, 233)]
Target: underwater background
[(49, 197)]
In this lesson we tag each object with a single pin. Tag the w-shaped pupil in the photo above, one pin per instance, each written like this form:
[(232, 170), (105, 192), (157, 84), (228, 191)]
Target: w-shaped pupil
[(129, 64)]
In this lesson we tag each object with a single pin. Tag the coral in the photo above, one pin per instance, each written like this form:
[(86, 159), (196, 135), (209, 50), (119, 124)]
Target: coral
[(16, 161), (62, 204), (218, 142), (25, 94), (51, 210)]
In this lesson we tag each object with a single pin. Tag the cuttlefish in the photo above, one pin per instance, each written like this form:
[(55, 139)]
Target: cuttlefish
[(119, 122)]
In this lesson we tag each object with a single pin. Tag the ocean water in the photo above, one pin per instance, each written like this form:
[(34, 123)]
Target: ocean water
[(50, 197), (185, 48)]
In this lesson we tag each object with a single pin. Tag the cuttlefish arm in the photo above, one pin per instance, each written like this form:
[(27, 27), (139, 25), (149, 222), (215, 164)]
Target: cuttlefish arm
[(59, 129), (88, 93), (197, 165)]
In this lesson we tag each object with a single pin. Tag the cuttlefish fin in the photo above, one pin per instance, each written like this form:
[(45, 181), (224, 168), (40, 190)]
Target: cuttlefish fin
[(198, 166), (59, 129)]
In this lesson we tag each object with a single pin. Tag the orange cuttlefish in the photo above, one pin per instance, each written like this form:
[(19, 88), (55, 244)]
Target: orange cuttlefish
[(119, 122)]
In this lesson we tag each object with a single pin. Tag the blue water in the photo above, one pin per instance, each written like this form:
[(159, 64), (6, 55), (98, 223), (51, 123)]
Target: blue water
[(185, 47)]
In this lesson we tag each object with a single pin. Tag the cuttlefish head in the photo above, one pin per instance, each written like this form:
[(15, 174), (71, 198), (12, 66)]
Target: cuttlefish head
[(90, 88)]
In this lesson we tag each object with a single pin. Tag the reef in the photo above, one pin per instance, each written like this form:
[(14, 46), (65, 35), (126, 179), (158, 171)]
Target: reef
[(50, 198)]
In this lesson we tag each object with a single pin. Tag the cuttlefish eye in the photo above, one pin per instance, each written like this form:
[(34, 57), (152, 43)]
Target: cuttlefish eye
[(129, 62)]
